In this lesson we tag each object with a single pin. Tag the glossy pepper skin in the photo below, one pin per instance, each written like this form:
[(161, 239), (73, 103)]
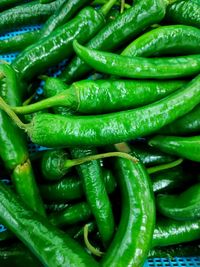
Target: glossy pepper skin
[(73, 214), (92, 178), (169, 180), (71, 188), (18, 42), (165, 40), (52, 247), (150, 156), (184, 12), (13, 149), (170, 232), (58, 46), (189, 123), (187, 250), (54, 130), (133, 238), (185, 147), (139, 68), (119, 31), (104, 96), (62, 15), (26, 14), (184, 206)]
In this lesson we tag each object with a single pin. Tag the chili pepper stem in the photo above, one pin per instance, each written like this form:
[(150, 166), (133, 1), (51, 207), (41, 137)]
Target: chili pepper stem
[(92, 249), (12, 115), (62, 99), (122, 6), (106, 7), (75, 162), (164, 166)]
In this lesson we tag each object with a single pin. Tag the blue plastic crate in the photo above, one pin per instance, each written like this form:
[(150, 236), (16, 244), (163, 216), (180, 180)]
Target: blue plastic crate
[(156, 262)]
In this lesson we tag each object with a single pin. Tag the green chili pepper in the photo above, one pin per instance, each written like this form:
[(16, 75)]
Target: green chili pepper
[(133, 238), (187, 250), (58, 46), (13, 149), (62, 15), (52, 247), (55, 130), (55, 207), (189, 123), (170, 232), (28, 13), (71, 215), (186, 147), (17, 255), (46, 1), (55, 163), (175, 39), (123, 29), (5, 4), (150, 156), (136, 67), (18, 42), (71, 188), (184, 12), (102, 96), (184, 206), (169, 180), (96, 195)]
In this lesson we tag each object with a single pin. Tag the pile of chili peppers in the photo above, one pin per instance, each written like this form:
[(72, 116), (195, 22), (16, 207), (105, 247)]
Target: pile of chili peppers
[(118, 178)]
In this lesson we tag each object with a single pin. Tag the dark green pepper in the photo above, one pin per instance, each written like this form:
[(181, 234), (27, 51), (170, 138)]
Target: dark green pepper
[(94, 188), (170, 232), (139, 68), (52, 247), (73, 214), (184, 12), (58, 46), (119, 31), (184, 206), (185, 147), (18, 42), (189, 123), (133, 238), (14, 149), (27, 14), (71, 188)]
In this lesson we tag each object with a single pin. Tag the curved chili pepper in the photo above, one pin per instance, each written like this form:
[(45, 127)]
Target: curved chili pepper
[(55, 130), (75, 213), (62, 15), (13, 149), (184, 12), (185, 147), (18, 42), (72, 188), (58, 46), (189, 123), (28, 13), (184, 206), (124, 28), (133, 238), (170, 232), (140, 68), (52, 247), (165, 40), (103, 96)]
